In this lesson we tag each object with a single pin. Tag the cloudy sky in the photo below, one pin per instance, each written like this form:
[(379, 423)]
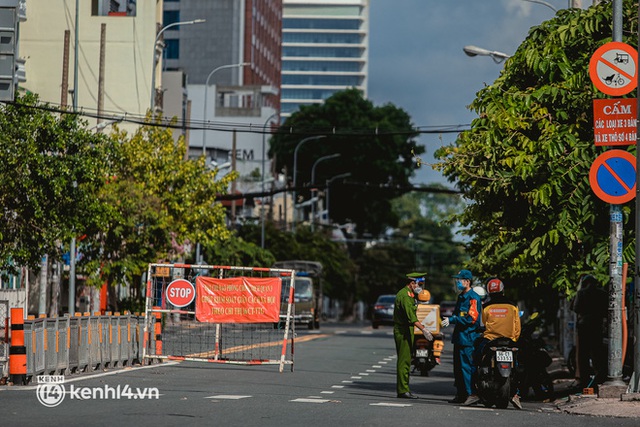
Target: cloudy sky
[(417, 63)]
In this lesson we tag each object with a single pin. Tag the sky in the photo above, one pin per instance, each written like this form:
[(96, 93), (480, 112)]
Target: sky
[(416, 61)]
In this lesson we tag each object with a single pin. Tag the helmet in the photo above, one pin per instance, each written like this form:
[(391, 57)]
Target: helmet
[(495, 285), (425, 295), (481, 292)]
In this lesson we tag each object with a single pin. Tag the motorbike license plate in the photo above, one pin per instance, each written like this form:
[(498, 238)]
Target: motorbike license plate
[(504, 356), (422, 353)]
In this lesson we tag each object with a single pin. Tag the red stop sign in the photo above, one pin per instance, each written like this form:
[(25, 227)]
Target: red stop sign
[(180, 293)]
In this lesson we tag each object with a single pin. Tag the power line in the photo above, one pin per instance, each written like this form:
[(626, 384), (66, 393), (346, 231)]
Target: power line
[(167, 122)]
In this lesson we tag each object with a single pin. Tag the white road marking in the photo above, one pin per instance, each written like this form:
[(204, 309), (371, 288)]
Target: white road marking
[(383, 362), (476, 408), (347, 381), (371, 370), (303, 400), (364, 374), (356, 378), (397, 405), (227, 396), (326, 392), (337, 386), (366, 332), (376, 366)]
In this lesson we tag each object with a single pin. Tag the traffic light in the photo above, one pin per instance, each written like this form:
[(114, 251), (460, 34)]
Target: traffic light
[(8, 49)]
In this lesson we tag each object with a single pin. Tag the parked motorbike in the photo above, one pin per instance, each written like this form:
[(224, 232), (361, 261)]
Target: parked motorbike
[(426, 354), (533, 361), (496, 372)]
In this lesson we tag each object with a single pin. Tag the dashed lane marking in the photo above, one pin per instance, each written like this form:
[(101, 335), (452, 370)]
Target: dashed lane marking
[(396, 405), (304, 400), (227, 396)]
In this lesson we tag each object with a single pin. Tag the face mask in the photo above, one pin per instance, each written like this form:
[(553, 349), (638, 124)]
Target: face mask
[(417, 290), (459, 286)]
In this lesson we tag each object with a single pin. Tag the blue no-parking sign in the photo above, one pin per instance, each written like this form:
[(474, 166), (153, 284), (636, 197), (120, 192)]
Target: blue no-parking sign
[(613, 176)]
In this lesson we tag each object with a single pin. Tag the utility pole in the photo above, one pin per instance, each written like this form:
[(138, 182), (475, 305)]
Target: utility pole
[(614, 386)]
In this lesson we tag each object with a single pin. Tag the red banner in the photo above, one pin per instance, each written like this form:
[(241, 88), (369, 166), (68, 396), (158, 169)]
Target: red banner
[(238, 299)]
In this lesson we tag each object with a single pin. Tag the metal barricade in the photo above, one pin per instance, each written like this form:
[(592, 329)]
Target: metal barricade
[(126, 354), (94, 340), (73, 340), (114, 340), (83, 343), (4, 339), (105, 349), (39, 345), (51, 343), (62, 345)]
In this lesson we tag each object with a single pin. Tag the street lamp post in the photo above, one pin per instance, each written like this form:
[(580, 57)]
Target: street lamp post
[(274, 115), (295, 174), (328, 183), (497, 57), (313, 181), (153, 69), (206, 96)]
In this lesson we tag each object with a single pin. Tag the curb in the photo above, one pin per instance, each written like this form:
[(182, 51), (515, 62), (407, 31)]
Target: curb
[(626, 407)]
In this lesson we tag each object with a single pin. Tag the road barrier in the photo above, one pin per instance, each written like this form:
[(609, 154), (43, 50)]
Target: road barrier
[(219, 314), (70, 344)]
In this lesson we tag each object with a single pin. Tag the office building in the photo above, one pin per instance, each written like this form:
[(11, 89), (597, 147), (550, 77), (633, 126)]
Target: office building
[(325, 49)]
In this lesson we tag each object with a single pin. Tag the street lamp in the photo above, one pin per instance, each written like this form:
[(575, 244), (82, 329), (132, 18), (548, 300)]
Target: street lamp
[(295, 174), (328, 183), (313, 181), (543, 3), (206, 91), (274, 115), (153, 69), (497, 57)]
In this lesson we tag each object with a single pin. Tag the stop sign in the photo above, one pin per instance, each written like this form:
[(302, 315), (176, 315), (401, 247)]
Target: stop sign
[(180, 293)]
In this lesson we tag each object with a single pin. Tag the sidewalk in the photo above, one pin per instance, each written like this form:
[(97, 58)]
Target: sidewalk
[(570, 399)]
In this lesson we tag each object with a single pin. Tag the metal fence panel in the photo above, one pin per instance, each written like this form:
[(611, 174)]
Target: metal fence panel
[(51, 342), (105, 350), (94, 340), (4, 339), (62, 365), (83, 343), (73, 340)]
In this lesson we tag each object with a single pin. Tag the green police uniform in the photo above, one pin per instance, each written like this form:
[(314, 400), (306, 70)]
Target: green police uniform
[(404, 316)]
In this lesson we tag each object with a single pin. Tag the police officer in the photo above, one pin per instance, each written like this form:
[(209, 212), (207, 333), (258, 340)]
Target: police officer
[(404, 320), (467, 320)]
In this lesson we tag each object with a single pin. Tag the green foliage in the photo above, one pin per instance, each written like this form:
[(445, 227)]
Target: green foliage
[(160, 205), (50, 170), (338, 269), (532, 216), (382, 161), (423, 241)]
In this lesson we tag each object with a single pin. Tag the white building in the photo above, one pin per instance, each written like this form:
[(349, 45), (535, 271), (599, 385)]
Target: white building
[(130, 31)]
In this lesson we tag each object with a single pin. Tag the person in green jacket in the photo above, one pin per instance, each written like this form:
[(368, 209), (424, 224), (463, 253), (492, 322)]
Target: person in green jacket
[(404, 320)]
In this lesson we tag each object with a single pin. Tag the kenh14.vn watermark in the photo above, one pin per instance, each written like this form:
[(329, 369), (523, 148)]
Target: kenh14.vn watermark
[(51, 391)]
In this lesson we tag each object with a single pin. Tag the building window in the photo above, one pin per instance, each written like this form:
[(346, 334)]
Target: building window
[(113, 7), (170, 17), (171, 48)]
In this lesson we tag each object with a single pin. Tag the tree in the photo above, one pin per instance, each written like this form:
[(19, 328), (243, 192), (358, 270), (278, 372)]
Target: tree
[(524, 164), (51, 167), (376, 145), (160, 206)]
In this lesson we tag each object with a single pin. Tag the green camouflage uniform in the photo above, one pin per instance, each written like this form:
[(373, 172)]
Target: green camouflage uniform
[(404, 316)]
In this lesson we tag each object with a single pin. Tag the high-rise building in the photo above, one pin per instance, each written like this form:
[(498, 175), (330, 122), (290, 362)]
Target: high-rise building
[(325, 49), (233, 102)]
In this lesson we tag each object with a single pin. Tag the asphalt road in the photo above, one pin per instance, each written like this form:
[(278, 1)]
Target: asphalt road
[(344, 375)]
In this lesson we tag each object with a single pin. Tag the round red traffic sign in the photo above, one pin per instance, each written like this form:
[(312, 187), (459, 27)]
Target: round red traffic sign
[(180, 293), (613, 68), (613, 176)]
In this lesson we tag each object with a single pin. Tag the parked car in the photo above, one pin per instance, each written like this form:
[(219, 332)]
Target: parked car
[(446, 308), (383, 311)]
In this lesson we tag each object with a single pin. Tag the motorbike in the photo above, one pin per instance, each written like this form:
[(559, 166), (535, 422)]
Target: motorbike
[(426, 354), (496, 372), (533, 361)]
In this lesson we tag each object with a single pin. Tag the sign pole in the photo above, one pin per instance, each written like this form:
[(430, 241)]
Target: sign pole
[(634, 386), (614, 384)]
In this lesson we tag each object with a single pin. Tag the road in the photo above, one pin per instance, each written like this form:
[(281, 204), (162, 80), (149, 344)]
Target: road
[(343, 375)]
